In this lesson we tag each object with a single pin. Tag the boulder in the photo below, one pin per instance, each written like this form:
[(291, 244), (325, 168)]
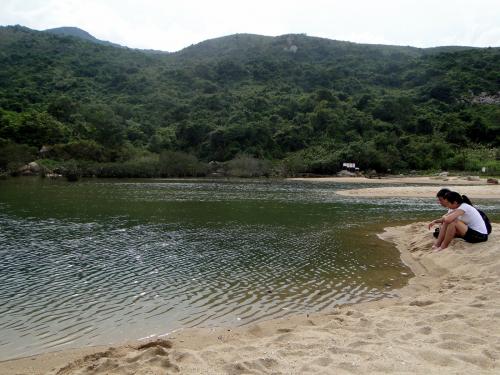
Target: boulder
[(472, 178), (24, 170), (345, 173), (34, 167)]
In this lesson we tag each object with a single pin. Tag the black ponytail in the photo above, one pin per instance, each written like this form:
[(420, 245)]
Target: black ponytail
[(466, 200), (454, 197)]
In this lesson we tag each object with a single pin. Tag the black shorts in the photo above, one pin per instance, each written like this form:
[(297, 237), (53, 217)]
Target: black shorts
[(473, 236)]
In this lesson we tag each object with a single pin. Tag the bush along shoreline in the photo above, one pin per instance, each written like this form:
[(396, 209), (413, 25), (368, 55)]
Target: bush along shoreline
[(165, 165), (174, 164), (128, 162)]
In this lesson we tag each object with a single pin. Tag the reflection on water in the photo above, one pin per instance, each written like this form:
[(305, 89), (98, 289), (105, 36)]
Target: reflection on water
[(100, 262)]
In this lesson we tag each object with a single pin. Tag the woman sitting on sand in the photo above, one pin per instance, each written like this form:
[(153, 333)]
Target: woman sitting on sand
[(440, 197), (463, 221)]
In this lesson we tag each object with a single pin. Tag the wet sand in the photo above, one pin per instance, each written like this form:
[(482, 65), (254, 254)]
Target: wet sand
[(473, 189), (474, 192), (433, 180), (446, 321)]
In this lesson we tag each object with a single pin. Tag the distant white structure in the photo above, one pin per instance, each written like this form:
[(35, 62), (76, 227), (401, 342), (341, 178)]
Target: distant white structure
[(351, 167), (293, 48), (290, 46), (44, 150)]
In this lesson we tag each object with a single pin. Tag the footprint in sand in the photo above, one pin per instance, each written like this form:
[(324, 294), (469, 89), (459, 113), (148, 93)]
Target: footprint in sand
[(150, 358), (421, 303), (437, 358), (425, 330), (457, 346), (407, 336)]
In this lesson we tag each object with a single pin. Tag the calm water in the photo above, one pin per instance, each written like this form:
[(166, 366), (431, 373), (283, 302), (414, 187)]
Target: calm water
[(103, 261)]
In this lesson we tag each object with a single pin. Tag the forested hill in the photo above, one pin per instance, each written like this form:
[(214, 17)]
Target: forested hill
[(78, 33), (311, 102)]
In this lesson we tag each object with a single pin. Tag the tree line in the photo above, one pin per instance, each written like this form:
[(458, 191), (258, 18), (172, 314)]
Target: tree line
[(246, 99)]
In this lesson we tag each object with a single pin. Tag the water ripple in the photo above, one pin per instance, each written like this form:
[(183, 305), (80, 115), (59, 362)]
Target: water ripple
[(183, 254)]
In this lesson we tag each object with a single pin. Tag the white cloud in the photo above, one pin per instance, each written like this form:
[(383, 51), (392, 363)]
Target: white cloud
[(489, 38), (172, 25)]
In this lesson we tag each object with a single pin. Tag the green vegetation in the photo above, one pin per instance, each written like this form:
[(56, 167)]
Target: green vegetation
[(257, 105)]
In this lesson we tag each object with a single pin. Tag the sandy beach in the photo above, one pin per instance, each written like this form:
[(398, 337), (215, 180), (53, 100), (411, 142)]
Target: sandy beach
[(432, 180), (430, 185), (474, 192), (446, 320)]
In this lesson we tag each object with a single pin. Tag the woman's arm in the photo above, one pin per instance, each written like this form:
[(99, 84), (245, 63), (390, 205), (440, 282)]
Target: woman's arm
[(452, 216), (438, 221), (434, 222)]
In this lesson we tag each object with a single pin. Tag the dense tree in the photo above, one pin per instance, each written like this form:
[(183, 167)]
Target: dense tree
[(62, 108), (13, 155), (174, 163), (383, 107), (105, 125), (35, 129)]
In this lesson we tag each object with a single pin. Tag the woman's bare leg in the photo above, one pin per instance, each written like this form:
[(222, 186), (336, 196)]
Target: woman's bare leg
[(454, 229), (442, 232), (449, 235), (461, 228)]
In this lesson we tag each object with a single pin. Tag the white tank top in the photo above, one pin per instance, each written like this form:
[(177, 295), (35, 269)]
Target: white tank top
[(472, 218)]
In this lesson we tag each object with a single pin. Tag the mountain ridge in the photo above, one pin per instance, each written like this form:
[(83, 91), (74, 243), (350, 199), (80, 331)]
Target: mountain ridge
[(76, 32), (79, 33)]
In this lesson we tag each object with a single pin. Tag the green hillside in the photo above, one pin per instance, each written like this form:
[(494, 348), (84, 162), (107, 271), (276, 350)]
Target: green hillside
[(305, 103), (78, 33)]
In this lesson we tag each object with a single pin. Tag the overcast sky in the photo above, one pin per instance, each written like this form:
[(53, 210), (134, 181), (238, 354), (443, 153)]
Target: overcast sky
[(172, 25)]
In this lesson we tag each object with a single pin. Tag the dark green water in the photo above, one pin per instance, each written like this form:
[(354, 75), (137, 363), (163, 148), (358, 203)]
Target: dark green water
[(103, 261)]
